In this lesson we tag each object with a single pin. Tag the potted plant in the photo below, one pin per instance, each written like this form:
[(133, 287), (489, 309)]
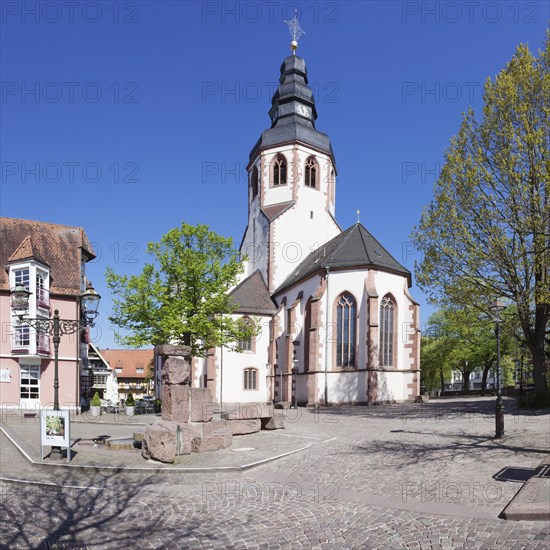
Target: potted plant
[(157, 405), (130, 405), (95, 405)]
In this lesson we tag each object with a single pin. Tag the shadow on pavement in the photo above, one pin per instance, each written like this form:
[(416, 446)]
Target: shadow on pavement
[(68, 515), (515, 473)]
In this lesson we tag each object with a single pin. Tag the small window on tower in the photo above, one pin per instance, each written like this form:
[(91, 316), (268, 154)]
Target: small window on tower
[(279, 170), (311, 173), (254, 181)]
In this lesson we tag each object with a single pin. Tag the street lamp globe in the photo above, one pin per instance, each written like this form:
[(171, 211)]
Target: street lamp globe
[(20, 299), (496, 308), (90, 302)]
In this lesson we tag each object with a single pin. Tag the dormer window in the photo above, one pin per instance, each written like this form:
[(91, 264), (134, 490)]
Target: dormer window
[(311, 173), (42, 291), (36, 279), (279, 171), (22, 277)]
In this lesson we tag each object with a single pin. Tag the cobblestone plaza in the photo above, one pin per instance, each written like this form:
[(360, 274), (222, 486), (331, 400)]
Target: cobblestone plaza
[(417, 476)]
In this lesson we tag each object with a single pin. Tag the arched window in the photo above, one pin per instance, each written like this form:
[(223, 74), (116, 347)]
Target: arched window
[(248, 343), (279, 170), (346, 310), (254, 181), (311, 172), (250, 381), (387, 320)]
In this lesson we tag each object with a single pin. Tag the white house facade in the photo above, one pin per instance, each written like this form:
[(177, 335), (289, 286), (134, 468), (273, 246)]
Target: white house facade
[(338, 322)]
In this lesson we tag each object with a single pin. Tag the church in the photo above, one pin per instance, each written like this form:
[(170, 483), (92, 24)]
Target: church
[(338, 324)]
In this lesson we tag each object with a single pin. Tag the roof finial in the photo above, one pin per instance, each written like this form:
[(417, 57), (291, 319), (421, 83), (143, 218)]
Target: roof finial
[(358, 212), (295, 31)]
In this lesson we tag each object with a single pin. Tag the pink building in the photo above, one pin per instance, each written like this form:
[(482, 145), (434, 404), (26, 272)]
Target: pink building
[(49, 260)]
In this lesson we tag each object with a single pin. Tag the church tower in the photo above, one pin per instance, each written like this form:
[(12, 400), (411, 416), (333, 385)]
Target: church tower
[(339, 324), (292, 182)]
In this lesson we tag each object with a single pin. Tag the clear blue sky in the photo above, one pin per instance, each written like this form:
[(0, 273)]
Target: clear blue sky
[(136, 113)]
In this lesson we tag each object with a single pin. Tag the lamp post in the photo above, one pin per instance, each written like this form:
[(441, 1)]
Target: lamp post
[(280, 367), (89, 301), (295, 364), (496, 308), (271, 378), (521, 369)]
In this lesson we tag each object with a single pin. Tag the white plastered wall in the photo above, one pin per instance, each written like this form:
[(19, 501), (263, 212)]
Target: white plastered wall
[(351, 386), (298, 231), (230, 367)]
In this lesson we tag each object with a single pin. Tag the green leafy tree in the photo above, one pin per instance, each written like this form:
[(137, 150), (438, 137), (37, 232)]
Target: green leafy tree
[(486, 233), (182, 297), (434, 367), (463, 340), (434, 351)]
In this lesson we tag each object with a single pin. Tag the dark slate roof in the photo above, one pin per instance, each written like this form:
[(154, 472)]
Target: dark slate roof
[(56, 246), (273, 211), (253, 297), (355, 247), (286, 125)]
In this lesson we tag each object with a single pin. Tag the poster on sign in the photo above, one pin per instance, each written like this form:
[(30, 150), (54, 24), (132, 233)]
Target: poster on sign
[(54, 430)]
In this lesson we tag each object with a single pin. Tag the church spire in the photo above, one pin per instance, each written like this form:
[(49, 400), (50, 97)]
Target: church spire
[(293, 101), (293, 112)]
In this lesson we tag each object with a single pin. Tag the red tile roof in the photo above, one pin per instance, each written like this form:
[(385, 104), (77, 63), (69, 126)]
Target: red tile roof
[(26, 251), (129, 360), (57, 246)]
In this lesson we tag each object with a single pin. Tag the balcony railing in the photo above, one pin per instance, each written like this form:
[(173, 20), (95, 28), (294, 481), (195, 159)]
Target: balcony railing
[(20, 347), (43, 343), (43, 298)]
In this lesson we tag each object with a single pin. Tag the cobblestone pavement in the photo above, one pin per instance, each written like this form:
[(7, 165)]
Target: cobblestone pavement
[(413, 476)]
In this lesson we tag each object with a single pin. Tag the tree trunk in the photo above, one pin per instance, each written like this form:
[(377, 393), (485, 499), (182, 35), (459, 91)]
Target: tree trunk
[(466, 381), (486, 369), (442, 380), (535, 341), (540, 366)]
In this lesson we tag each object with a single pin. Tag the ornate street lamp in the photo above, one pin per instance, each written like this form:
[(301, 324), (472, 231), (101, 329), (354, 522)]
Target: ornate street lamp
[(496, 308), (295, 365), (271, 374), (89, 301), (280, 368)]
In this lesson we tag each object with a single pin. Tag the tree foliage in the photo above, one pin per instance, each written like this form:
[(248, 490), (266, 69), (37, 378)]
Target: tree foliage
[(486, 233), (182, 296), (464, 340)]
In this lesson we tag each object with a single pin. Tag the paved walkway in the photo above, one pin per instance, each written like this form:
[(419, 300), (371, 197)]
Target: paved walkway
[(412, 476), (87, 451)]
